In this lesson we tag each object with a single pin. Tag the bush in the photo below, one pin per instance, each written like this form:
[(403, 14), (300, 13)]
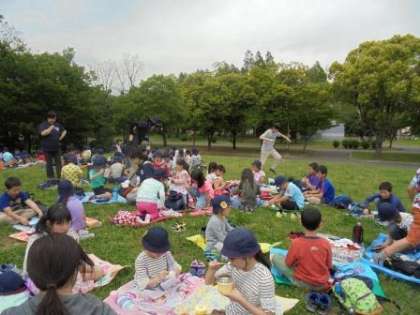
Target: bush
[(365, 144), (355, 144), (373, 144), (345, 143), (336, 144), (183, 138)]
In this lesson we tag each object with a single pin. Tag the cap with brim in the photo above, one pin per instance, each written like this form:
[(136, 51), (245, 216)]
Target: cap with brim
[(156, 240), (10, 282), (220, 202), (240, 242), (279, 180), (99, 160)]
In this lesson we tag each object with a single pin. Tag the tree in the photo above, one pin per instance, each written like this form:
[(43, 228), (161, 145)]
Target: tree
[(128, 72), (380, 79), (104, 74)]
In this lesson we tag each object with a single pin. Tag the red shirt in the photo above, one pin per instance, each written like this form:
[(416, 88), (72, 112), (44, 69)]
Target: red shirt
[(311, 260)]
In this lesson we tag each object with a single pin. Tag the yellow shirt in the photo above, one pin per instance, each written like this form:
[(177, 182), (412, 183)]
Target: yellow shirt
[(72, 173)]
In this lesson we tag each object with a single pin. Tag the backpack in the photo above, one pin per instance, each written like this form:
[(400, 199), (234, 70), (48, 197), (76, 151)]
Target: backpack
[(175, 201), (356, 297), (341, 202)]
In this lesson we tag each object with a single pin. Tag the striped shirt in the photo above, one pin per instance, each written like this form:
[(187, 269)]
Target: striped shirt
[(256, 285), (148, 267)]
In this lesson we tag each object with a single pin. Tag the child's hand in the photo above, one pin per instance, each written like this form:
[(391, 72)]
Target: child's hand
[(163, 275), (214, 265), (366, 211)]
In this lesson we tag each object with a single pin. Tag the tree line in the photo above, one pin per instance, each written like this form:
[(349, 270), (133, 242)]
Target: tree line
[(375, 91)]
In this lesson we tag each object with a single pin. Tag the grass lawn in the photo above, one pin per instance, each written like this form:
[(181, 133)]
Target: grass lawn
[(121, 245), (387, 156)]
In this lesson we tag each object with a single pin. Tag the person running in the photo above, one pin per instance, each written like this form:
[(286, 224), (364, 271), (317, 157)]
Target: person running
[(267, 148)]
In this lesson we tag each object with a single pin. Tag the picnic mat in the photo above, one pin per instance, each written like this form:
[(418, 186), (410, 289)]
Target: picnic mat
[(24, 235), (131, 218), (368, 255), (200, 241), (89, 197), (128, 300), (12, 300)]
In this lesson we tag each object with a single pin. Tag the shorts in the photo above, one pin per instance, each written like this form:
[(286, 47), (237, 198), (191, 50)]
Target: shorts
[(101, 190)]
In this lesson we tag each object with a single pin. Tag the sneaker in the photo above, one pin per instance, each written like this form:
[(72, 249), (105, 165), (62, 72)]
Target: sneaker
[(324, 304), (312, 301)]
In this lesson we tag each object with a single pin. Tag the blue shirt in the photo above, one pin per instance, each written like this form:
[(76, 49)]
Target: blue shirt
[(7, 201), (328, 191), (393, 200), (295, 194)]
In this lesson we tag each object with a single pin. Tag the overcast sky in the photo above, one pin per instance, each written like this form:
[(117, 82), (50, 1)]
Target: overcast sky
[(173, 36)]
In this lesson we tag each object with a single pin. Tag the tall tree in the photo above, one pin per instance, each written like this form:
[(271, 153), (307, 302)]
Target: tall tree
[(379, 78)]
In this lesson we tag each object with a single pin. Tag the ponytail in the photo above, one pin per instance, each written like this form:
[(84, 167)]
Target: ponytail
[(261, 258), (51, 303)]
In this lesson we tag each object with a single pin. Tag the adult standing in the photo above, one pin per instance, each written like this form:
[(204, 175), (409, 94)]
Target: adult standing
[(267, 148), (52, 133)]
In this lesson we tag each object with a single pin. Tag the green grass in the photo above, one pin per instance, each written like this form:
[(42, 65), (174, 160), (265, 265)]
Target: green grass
[(388, 156), (121, 245)]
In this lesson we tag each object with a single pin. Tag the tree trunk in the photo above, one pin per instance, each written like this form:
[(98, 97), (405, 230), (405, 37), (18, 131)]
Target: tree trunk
[(209, 141), (379, 141), (234, 140)]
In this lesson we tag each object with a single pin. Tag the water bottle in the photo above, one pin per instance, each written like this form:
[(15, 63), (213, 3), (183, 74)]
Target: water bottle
[(115, 193), (358, 233)]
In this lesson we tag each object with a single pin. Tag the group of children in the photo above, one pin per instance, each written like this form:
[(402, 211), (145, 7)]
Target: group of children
[(147, 179), (19, 158)]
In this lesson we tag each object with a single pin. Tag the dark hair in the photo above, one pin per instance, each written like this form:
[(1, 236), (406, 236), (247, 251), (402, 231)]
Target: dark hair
[(386, 186), (65, 190), (323, 169), (262, 259), (247, 176), (157, 154), (212, 167), (257, 164), (51, 114), (182, 163), (195, 151), (57, 213), (198, 176), (314, 166), (311, 218), (12, 182), (53, 261), (136, 153), (221, 168), (276, 126)]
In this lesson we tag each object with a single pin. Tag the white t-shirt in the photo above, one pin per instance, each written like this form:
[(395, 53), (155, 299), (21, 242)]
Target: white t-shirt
[(271, 135)]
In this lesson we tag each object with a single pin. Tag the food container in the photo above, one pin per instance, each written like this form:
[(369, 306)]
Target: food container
[(225, 285)]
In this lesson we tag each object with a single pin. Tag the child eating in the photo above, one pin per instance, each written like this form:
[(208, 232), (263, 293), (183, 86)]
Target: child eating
[(253, 291), (291, 197), (155, 264), (259, 174)]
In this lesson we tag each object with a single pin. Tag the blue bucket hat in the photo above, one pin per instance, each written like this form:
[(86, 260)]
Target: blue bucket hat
[(65, 189), (10, 282), (219, 203), (386, 211), (279, 180), (240, 242), (156, 240)]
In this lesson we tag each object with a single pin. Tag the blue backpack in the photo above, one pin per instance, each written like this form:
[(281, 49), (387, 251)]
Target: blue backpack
[(341, 202)]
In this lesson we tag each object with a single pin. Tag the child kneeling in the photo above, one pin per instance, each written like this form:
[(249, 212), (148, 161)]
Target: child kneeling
[(155, 266), (309, 259)]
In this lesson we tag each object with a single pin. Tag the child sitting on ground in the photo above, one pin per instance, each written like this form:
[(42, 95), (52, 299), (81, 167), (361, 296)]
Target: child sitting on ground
[(219, 183), (155, 266), (324, 192), (15, 205), (384, 195), (98, 180), (412, 240), (159, 163), (67, 197), (201, 189), (218, 226), (52, 264), (181, 181), (253, 291), (151, 195), (259, 174), (309, 258), (248, 192), (290, 198), (311, 181), (114, 173), (211, 172), (8, 158), (71, 171), (195, 159)]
